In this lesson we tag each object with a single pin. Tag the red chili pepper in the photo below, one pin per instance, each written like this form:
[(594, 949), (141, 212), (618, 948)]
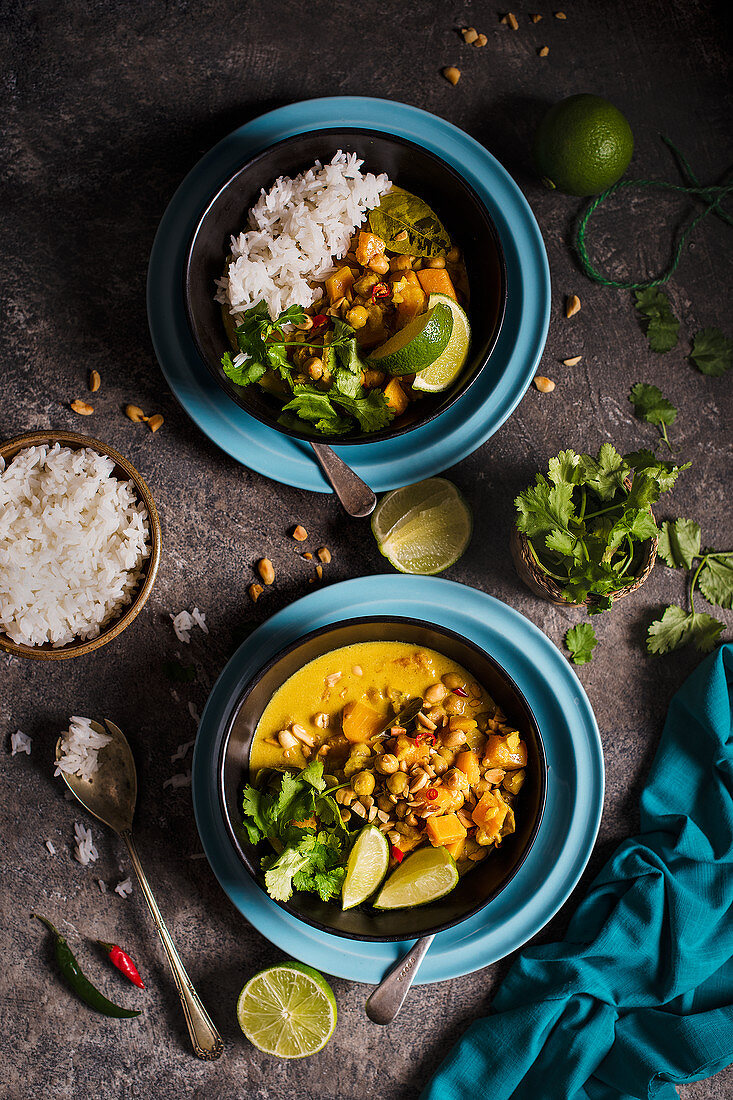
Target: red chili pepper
[(381, 290), (424, 735), (459, 691), (431, 793), (319, 319), (397, 854), (123, 962)]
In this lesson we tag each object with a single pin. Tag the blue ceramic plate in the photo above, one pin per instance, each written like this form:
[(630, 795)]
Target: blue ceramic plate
[(574, 781), (424, 451)]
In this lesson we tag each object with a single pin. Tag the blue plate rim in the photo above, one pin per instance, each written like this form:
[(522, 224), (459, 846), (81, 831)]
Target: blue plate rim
[(477, 942), (436, 445)]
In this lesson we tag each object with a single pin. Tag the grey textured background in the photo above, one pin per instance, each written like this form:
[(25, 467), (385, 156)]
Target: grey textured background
[(107, 106)]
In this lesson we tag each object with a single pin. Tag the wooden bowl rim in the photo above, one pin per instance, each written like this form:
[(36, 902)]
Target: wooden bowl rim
[(45, 652)]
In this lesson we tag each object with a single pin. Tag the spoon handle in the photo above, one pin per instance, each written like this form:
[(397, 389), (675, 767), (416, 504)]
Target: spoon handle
[(389, 996), (355, 495), (207, 1042)]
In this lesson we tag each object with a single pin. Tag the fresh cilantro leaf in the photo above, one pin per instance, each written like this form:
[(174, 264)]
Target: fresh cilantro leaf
[(712, 352), (245, 374), (372, 411), (637, 524), (543, 507), (581, 641), (565, 467), (280, 874), (605, 475), (677, 628), (643, 492), (313, 774), (346, 383), (662, 327), (650, 405), (311, 404), (679, 543), (258, 810), (666, 473), (324, 872), (716, 579), (562, 542)]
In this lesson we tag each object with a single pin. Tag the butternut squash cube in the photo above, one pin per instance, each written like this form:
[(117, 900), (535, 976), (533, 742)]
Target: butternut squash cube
[(513, 782), (360, 722), (338, 283), (489, 814), (468, 763), (505, 752), (436, 280), (396, 397), (445, 830), (456, 848), (369, 246)]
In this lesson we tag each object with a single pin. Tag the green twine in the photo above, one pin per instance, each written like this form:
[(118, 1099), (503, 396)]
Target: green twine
[(712, 197)]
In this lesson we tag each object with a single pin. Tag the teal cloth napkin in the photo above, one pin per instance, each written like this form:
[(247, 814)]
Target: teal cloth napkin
[(639, 995)]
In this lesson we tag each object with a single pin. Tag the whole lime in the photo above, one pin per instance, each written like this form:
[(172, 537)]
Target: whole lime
[(582, 146)]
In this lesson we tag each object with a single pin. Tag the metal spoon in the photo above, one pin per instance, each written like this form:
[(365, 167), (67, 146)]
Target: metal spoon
[(355, 495), (110, 795), (389, 996)]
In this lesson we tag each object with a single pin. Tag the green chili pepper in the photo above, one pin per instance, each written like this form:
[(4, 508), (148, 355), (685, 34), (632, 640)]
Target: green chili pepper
[(76, 981)]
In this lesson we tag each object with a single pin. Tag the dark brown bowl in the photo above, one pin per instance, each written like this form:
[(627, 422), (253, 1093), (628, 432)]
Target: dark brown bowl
[(127, 472), (474, 890), (411, 167)]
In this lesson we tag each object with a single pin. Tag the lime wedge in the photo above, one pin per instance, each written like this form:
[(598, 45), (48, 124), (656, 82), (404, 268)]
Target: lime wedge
[(418, 344), (425, 876), (366, 867), (444, 370), (423, 528), (287, 1010)]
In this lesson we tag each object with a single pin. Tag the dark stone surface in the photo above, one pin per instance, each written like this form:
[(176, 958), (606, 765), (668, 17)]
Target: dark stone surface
[(106, 107)]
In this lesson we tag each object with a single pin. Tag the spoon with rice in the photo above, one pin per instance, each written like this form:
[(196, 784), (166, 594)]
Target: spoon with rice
[(98, 768)]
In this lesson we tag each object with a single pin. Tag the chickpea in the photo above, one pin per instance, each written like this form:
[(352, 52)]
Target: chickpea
[(345, 796), (453, 739), (454, 255), (453, 680), (439, 765), (379, 263), (375, 313), (314, 366), (436, 693), (356, 762), (447, 754), (402, 809), (364, 285), (385, 804), (435, 261), (362, 783), (357, 317), (387, 764), (454, 705), (400, 263), (397, 783)]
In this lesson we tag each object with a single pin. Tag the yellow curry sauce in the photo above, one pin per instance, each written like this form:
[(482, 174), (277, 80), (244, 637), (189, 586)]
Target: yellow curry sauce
[(450, 779)]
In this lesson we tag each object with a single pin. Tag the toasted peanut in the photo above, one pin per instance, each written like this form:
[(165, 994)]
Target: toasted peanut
[(453, 680), (302, 734), (266, 570), (560, 15), (572, 306), (481, 40), (535, 18), (255, 591), (544, 385), (470, 34), (452, 74), (402, 235), (95, 380), (436, 693), (425, 722), (299, 533), (543, 52), (132, 412), (319, 572), (324, 554), (82, 408), (321, 720), (287, 739), (510, 20), (358, 670), (154, 422)]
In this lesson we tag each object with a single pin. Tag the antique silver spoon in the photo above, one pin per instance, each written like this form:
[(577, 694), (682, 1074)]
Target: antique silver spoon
[(110, 795), (355, 495), (389, 996)]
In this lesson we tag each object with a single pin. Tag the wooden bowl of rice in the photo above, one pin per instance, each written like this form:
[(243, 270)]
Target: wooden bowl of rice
[(123, 471)]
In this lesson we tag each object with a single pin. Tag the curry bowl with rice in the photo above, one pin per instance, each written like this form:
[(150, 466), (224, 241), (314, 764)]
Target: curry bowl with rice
[(331, 273), (461, 781)]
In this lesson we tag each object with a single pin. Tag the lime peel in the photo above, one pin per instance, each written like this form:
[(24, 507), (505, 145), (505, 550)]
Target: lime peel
[(288, 1010)]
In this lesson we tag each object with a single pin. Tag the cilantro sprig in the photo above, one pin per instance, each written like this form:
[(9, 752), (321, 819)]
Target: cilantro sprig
[(662, 327), (302, 822), (585, 529), (680, 547), (650, 405), (581, 641), (712, 352)]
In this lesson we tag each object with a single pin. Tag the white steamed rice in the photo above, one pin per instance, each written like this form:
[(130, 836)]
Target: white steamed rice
[(84, 849), (20, 742), (294, 231), (80, 748), (73, 540), (185, 621), (124, 888)]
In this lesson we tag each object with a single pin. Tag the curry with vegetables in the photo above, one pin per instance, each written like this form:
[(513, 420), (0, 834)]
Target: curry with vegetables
[(449, 776)]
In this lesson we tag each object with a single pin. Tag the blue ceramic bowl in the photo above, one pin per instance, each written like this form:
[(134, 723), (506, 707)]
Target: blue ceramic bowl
[(474, 890), (407, 165)]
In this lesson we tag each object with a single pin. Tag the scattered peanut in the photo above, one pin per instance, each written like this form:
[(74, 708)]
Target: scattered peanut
[(255, 591), (302, 734), (470, 34), (324, 554), (402, 235), (155, 422), (544, 385), (535, 18), (319, 572), (572, 305), (82, 408), (287, 740), (95, 380), (299, 533), (560, 15), (481, 41), (452, 75), (321, 720), (266, 570), (511, 20), (132, 412), (544, 51), (573, 362)]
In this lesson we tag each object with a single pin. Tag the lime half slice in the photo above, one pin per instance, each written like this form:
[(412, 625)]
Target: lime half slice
[(444, 370), (287, 1010), (425, 876), (366, 867), (418, 344), (423, 528)]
